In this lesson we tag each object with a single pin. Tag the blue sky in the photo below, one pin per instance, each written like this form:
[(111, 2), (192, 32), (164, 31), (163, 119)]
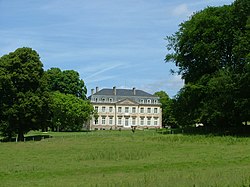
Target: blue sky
[(109, 42)]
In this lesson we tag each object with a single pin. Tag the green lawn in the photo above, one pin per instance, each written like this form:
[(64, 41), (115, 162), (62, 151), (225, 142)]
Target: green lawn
[(113, 158)]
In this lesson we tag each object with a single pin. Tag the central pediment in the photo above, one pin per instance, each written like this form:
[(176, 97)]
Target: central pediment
[(127, 102)]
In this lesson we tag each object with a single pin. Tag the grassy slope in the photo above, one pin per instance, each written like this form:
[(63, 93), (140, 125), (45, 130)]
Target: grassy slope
[(105, 158)]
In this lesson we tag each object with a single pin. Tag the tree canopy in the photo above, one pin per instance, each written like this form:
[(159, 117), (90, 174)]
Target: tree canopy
[(214, 38), (167, 110), (27, 98), (22, 96), (70, 112), (67, 82), (212, 52)]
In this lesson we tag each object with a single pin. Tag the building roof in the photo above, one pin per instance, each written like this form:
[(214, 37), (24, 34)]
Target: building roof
[(124, 92)]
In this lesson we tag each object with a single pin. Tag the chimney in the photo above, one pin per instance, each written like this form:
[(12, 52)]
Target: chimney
[(134, 91), (96, 89), (92, 91), (114, 90)]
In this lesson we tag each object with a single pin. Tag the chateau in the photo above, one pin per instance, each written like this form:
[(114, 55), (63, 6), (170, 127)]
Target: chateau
[(125, 109)]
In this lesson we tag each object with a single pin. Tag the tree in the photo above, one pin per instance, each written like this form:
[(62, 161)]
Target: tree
[(67, 82), (28, 100), (186, 104), (211, 40), (69, 105), (218, 106), (22, 100), (70, 112), (212, 51), (167, 111)]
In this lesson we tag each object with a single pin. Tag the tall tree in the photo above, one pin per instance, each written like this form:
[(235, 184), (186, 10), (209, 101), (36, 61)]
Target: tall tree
[(213, 38), (190, 49), (212, 51), (22, 98), (186, 104), (67, 82), (167, 110), (70, 112)]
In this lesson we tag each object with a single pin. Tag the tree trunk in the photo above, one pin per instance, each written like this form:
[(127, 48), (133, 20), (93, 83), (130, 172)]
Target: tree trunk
[(20, 135)]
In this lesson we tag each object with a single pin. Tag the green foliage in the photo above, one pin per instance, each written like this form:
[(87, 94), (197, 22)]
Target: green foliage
[(212, 51), (69, 107), (219, 103), (167, 109), (69, 112), (123, 158), (186, 104), (67, 82), (22, 98), (28, 101), (211, 40)]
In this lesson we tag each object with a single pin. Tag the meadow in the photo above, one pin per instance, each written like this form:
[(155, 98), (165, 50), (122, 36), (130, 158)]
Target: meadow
[(114, 158)]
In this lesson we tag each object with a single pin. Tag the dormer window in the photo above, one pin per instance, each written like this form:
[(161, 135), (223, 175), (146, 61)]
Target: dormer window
[(103, 99), (149, 101), (110, 100), (141, 101)]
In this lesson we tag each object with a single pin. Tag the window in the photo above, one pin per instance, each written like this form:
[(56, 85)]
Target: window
[(134, 121), (103, 99), (103, 120), (96, 108), (96, 99), (149, 110), (141, 101), (149, 101), (119, 120), (103, 109), (149, 121), (155, 110), (126, 121), (120, 109), (110, 109), (142, 121), (155, 121), (133, 110), (155, 102), (111, 120), (96, 121), (110, 100), (142, 110), (126, 109)]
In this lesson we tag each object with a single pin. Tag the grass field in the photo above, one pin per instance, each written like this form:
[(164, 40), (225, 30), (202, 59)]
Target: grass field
[(113, 158)]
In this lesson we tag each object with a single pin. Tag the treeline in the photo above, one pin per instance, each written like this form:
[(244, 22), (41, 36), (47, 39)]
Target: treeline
[(32, 98), (212, 52)]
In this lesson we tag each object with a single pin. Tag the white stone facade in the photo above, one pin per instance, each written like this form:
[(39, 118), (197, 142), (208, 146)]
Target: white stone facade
[(124, 109)]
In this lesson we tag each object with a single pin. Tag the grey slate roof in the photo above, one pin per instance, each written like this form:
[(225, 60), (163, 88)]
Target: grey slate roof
[(124, 92)]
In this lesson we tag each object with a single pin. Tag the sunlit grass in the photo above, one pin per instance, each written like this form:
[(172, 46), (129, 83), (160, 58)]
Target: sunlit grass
[(113, 158)]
